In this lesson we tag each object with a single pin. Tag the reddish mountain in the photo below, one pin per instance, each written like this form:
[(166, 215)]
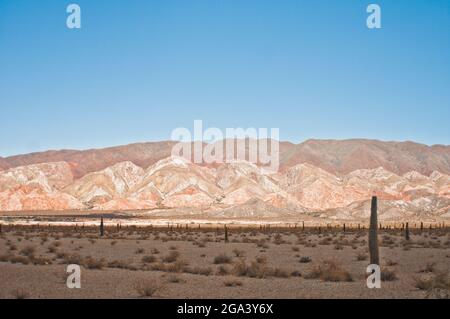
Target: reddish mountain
[(336, 157), (88, 161), (343, 157), (3, 164)]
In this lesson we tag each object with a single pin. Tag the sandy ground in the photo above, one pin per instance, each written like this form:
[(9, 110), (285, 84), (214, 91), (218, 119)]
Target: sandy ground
[(182, 263)]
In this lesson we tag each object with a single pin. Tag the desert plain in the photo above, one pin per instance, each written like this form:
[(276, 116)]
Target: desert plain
[(241, 260)]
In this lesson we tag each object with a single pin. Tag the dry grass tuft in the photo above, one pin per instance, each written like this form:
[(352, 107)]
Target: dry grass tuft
[(20, 294), (92, 263), (361, 256), (238, 253), (148, 259), (139, 251), (28, 251), (147, 288), (329, 271), (440, 280), (222, 259), (174, 279), (257, 270), (388, 275), (232, 283), (171, 257), (305, 259)]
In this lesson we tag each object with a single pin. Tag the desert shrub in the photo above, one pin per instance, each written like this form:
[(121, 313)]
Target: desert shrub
[(158, 266), (257, 270), (28, 251), (440, 280), (388, 275), (430, 267), (222, 270), (40, 261), (204, 271), (278, 273), (390, 262), (118, 264), (238, 253), (262, 244), (278, 239), (61, 255), (200, 244), (177, 266), (148, 259), (222, 259), (171, 257), (361, 256), (325, 241), (51, 250), (174, 279), (329, 271), (5, 258), (20, 294), (139, 251), (305, 259), (92, 263), (232, 283), (72, 259), (19, 260), (147, 288), (296, 273)]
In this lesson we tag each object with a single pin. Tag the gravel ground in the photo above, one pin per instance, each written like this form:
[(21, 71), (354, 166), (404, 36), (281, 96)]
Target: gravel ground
[(199, 264)]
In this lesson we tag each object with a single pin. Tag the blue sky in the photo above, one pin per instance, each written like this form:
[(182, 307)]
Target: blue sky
[(138, 69)]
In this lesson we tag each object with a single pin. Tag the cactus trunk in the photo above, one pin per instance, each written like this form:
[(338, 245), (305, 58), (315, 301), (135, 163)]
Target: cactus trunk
[(373, 234), (102, 231), (407, 231), (226, 234)]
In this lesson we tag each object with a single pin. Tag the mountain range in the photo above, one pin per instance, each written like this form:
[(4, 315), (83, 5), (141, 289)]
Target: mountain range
[(331, 178)]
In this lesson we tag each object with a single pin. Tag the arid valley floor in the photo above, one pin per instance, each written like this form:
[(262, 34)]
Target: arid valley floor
[(175, 262)]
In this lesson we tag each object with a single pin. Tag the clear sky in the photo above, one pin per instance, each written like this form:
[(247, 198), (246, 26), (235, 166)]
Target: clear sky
[(138, 69)]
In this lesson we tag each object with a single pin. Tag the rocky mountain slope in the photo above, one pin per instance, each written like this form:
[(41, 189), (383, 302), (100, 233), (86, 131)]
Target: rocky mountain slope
[(235, 189), (333, 156), (37, 187)]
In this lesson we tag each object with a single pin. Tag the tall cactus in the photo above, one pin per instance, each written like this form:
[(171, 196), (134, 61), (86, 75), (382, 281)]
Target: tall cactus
[(373, 234), (407, 231), (226, 234), (102, 230)]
